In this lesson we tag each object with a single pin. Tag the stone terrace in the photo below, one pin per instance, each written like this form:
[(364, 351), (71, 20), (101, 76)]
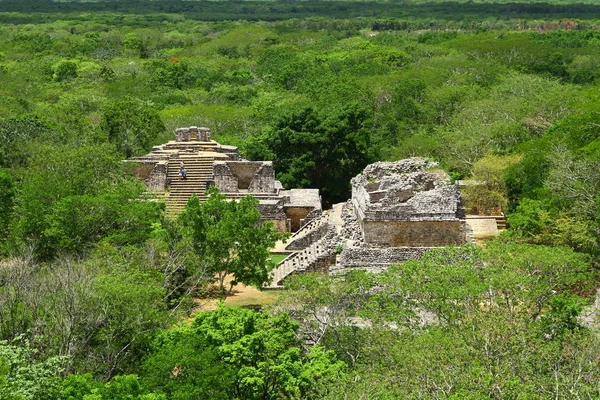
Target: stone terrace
[(209, 163), (398, 211)]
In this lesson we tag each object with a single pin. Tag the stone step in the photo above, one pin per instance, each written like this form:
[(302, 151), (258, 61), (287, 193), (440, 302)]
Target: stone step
[(199, 170), (298, 262)]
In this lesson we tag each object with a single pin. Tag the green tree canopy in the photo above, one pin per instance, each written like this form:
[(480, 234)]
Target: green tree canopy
[(229, 238), (71, 197), (318, 150), (238, 353), (131, 125)]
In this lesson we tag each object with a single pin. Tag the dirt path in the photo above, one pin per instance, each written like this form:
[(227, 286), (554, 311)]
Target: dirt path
[(243, 296)]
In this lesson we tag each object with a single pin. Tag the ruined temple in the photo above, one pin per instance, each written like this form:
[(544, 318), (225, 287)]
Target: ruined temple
[(209, 163), (408, 203), (397, 212)]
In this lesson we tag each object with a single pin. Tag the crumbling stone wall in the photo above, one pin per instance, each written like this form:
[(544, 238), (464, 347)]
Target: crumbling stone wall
[(408, 203), (244, 172), (263, 180), (203, 134), (310, 238), (413, 233), (271, 211), (314, 213), (224, 179), (250, 176), (296, 215), (231, 152), (282, 225), (322, 263), (369, 257), (157, 180), (154, 174), (192, 133)]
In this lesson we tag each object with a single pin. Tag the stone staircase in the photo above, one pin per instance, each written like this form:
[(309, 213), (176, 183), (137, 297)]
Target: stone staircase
[(199, 172), (301, 261), (501, 221), (309, 233), (313, 244)]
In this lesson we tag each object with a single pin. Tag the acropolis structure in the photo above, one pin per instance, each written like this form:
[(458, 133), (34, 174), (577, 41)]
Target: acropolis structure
[(397, 211), (209, 163)]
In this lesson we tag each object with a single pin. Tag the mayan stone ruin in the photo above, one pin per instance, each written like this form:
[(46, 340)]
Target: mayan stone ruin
[(209, 163), (398, 211)]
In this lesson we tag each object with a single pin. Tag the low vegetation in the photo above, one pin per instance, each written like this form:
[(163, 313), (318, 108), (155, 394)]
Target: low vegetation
[(95, 282)]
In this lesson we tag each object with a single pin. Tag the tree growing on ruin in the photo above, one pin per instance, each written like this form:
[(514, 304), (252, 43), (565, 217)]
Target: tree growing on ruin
[(230, 239)]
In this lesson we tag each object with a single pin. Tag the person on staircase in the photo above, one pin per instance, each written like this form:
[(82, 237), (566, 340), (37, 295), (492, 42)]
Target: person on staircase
[(182, 173)]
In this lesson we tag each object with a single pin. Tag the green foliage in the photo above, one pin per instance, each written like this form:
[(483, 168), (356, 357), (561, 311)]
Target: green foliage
[(64, 70), (87, 196), (82, 387), (316, 150), (22, 377), (16, 134), (123, 329), (7, 194), (89, 311), (486, 194), (77, 222), (467, 83), (131, 126), (229, 238), (238, 353), (459, 323)]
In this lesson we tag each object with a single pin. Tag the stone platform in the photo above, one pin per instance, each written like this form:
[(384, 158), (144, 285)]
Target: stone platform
[(398, 211), (209, 163)]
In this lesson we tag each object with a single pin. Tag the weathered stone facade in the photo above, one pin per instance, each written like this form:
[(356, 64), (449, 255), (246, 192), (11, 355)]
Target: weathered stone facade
[(249, 176), (408, 203), (154, 174), (376, 258), (209, 163), (192, 133), (398, 211)]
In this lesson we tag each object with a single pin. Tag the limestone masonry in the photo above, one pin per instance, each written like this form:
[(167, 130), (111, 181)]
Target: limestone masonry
[(209, 163), (397, 212)]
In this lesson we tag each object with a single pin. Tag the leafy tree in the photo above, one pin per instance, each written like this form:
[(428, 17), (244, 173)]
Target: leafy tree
[(471, 323), (15, 136), (72, 197), (238, 353), (22, 377), (64, 70), (83, 387), (323, 306), (131, 125), (487, 192), (87, 311), (121, 330), (323, 151), (75, 223), (7, 193), (172, 74), (230, 239)]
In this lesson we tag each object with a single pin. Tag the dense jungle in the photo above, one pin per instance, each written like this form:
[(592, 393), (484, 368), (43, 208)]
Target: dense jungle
[(99, 289)]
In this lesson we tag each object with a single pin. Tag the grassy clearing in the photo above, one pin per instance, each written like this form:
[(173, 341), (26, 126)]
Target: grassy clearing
[(277, 258), (242, 296)]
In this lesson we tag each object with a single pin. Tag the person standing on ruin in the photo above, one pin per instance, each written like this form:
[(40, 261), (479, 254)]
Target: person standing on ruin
[(182, 173)]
